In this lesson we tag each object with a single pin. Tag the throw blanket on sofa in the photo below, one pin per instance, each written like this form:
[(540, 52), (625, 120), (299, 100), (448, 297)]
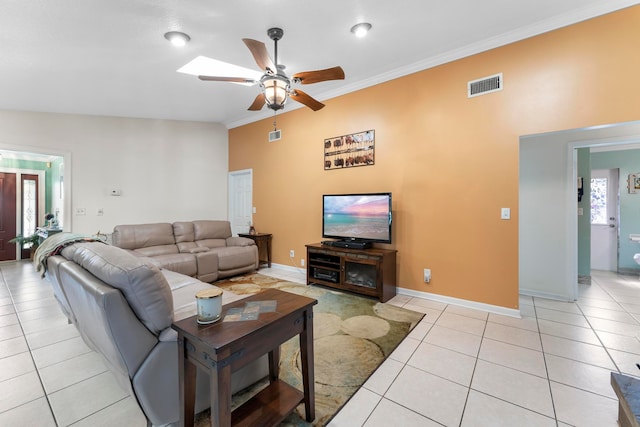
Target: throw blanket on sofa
[(53, 245)]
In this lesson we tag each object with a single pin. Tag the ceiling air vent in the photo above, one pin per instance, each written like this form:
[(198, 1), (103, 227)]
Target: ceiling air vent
[(484, 85), (275, 135)]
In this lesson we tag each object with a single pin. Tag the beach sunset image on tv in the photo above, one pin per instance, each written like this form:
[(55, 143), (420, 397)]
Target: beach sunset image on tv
[(357, 216)]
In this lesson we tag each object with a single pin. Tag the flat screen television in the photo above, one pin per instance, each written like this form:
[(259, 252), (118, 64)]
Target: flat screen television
[(359, 217)]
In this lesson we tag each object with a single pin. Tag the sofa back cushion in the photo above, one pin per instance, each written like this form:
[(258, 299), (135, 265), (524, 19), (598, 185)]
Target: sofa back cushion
[(144, 287), (211, 234), (183, 232), (143, 235)]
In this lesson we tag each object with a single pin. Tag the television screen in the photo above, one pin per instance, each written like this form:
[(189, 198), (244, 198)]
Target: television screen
[(357, 217)]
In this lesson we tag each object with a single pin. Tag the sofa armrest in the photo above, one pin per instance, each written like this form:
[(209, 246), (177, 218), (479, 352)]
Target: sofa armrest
[(168, 335), (239, 241)]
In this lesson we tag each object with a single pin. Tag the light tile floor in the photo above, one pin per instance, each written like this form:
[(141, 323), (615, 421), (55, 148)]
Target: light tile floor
[(458, 367)]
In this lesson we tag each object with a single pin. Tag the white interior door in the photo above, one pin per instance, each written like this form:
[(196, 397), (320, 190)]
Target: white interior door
[(604, 219), (241, 200)]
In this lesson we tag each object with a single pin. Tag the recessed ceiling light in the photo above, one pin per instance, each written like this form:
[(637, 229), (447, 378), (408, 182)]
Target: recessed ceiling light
[(177, 38), (361, 29)]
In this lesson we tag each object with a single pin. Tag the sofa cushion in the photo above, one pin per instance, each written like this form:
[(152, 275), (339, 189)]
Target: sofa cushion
[(184, 290), (183, 231), (212, 243), (233, 257), (180, 263), (143, 235), (144, 287), (211, 229)]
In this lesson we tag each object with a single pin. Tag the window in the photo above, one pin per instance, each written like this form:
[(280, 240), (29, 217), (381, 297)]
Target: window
[(599, 201), (29, 205)]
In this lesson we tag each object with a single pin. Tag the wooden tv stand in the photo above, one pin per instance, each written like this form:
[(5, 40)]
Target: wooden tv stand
[(370, 272)]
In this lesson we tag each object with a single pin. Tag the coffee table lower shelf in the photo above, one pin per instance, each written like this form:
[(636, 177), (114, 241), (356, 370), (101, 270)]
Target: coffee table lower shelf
[(269, 407)]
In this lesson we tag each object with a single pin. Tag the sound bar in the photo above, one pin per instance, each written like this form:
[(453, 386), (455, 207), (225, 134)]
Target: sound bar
[(351, 244)]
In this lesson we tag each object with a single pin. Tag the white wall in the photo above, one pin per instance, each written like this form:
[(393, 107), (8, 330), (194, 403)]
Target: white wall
[(548, 236), (166, 170)]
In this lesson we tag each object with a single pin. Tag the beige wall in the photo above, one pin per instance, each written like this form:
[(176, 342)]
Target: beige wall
[(451, 162), (167, 170)]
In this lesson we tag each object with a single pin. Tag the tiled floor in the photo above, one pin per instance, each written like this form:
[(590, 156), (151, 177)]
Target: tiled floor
[(458, 367)]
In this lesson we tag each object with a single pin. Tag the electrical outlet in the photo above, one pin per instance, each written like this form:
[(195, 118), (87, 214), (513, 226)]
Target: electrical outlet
[(302, 262), (100, 211), (292, 253), (81, 211), (427, 275)]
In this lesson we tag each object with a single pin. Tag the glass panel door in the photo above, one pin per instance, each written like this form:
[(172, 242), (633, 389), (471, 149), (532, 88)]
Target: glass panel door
[(360, 273), (29, 209)]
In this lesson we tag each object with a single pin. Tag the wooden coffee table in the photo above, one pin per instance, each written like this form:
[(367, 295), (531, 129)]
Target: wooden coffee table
[(224, 347)]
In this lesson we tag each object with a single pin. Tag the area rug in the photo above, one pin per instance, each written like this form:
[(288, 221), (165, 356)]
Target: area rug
[(353, 335)]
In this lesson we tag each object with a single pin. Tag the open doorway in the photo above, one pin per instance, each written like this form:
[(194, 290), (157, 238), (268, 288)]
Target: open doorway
[(32, 187), (548, 210)]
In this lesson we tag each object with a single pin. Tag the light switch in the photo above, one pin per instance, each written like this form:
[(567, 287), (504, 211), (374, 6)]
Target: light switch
[(254, 209), (580, 211), (505, 213)]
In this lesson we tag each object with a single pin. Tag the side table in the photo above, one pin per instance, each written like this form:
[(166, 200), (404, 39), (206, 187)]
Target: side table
[(263, 240), (224, 347)]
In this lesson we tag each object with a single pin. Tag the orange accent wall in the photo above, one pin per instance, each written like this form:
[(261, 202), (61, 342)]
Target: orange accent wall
[(451, 162)]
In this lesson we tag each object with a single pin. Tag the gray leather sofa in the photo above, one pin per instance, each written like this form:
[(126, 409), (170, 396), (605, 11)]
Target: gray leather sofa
[(123, 308), (202, 249)]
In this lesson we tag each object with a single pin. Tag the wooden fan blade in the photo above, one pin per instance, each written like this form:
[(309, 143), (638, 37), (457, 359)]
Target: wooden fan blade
[(307, 77), (258, 103), (227, 79), (260, 54), (305, 99)]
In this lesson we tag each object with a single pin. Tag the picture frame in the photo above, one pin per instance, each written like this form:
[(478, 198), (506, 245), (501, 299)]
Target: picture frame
[(349, 151)]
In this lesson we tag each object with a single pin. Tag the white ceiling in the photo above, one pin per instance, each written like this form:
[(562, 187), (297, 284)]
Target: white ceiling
[(110, 57)]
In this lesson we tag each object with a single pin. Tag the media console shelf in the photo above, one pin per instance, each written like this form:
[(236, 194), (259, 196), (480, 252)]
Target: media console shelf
[(369, 272)]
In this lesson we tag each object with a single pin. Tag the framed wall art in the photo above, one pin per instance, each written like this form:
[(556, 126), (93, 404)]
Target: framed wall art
[(348, 151)]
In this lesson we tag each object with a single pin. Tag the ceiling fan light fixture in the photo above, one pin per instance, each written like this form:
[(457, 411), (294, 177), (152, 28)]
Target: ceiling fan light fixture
[(276, 89), (360, 30), (177, 38)]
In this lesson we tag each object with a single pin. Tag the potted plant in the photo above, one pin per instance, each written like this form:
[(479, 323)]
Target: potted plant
[(34, 240)]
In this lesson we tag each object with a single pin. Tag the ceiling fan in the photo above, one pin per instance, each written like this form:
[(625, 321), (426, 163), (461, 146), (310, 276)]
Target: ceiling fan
[(274, 84)]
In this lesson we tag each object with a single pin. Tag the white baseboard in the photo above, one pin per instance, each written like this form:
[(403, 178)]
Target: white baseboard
[(286, 267), (426, 295), (534, 293), (511, 312)]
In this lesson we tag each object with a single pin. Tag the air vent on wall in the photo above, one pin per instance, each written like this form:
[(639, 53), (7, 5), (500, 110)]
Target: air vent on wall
[(275, 135), (484, 85)]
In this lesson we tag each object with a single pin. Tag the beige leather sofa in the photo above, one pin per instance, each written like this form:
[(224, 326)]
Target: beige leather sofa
[(202, 249), (123, 308)]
